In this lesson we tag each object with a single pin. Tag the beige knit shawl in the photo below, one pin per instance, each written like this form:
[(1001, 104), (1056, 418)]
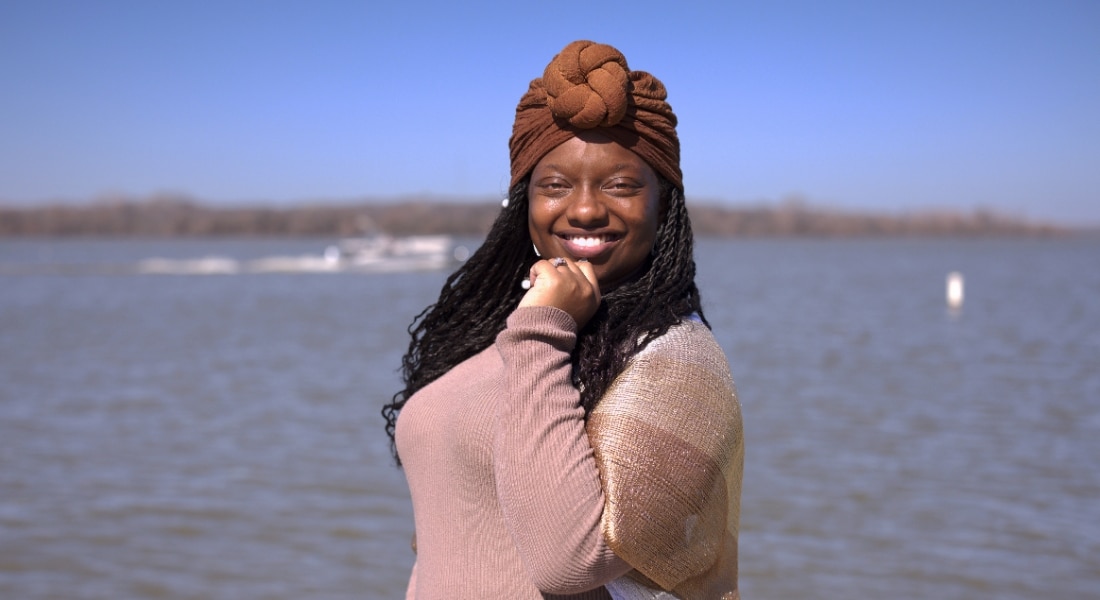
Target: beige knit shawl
[(668, 442)]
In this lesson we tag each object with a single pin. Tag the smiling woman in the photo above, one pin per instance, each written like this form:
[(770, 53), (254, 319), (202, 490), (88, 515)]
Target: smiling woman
[(591, 198), (579, 435)]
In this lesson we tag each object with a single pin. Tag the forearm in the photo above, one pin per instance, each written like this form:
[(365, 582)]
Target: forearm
[(547, 478)]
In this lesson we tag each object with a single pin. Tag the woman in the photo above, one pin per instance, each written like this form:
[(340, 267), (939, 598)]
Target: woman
[(569, 426)]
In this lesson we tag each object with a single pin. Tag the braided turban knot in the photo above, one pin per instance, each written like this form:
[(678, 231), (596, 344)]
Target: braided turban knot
[(589, 86)]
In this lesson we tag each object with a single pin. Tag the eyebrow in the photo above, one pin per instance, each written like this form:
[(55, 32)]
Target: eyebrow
[(616, 168)]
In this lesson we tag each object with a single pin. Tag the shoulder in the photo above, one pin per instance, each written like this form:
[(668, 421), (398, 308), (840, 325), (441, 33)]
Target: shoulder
[(691, 342), (685, 366)]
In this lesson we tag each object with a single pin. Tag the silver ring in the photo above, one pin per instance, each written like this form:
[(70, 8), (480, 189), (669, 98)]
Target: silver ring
[(558, 261)]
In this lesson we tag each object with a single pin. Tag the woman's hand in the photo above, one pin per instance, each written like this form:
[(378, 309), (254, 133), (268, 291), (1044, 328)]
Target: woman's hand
[(570, 286)]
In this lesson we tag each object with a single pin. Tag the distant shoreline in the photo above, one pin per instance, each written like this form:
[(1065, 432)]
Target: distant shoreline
[(180, 218)]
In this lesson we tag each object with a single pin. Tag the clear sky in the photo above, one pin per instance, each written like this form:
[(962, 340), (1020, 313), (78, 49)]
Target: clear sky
[(877, 105)]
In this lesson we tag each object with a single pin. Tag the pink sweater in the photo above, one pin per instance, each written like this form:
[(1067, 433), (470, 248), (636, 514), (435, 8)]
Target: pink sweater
[(505, 490), (505, 487)]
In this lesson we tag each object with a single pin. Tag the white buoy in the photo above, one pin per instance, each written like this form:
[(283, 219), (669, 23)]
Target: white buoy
[(954, 289)]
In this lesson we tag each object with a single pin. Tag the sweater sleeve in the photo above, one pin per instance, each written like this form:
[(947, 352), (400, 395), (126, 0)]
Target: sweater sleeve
[(410, 591), (547, 479)]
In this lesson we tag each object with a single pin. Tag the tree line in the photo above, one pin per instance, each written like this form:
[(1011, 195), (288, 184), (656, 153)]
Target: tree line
[(181, 217)]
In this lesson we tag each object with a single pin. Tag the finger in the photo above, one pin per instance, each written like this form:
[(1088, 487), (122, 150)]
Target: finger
[(574, 267), (544, 270), (589, 273), (565, 266)]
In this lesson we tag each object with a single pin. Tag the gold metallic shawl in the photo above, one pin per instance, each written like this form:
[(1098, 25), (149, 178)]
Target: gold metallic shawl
[(667, 439)]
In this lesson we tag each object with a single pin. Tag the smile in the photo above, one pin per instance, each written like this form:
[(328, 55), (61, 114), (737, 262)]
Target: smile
[(588, 245), (589, 241)]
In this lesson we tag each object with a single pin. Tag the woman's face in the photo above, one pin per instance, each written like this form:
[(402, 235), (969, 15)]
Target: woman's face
[(592, 198)]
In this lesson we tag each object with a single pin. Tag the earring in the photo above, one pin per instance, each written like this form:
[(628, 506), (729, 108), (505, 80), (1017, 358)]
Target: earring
[(536, 250)]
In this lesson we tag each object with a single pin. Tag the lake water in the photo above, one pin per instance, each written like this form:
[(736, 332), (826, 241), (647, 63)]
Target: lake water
[(218, 436)]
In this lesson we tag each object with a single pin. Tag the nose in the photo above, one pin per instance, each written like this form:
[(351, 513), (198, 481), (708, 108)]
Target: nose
[(586, 208)]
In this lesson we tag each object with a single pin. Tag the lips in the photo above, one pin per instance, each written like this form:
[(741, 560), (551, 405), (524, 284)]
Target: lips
[(588, 245)]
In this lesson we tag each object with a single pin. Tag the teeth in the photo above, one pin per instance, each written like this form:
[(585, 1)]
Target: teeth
[(587, 241)]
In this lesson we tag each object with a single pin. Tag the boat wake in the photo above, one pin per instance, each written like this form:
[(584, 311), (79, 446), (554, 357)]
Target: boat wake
[(375, 254)]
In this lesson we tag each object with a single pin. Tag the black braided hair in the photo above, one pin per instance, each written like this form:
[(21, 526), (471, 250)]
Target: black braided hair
[(478, 297)]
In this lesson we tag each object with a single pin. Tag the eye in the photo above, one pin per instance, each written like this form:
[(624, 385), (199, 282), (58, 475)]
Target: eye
[(552, 186), (623, 186)]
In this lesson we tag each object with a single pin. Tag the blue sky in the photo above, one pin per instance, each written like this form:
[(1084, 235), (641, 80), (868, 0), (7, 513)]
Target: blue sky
[(890, 106)]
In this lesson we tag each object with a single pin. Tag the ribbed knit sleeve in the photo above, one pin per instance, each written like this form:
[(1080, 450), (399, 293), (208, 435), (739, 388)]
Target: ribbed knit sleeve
[(410, 591), (546, 474)]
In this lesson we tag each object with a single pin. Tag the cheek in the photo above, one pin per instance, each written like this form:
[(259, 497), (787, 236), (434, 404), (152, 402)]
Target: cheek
[(534, 232), (648, 222), (539, 214), (537, 226), (542, 214)]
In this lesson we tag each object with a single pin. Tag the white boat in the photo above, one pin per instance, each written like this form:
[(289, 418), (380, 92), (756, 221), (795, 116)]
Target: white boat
[(395, 253), (369, 254)]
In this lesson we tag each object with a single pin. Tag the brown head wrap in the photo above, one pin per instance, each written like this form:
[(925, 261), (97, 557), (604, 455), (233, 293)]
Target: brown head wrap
[(589, 86)]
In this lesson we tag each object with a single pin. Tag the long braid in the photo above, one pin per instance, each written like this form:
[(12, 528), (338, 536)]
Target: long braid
[(643, 310), (472, 307), (477, 299)]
